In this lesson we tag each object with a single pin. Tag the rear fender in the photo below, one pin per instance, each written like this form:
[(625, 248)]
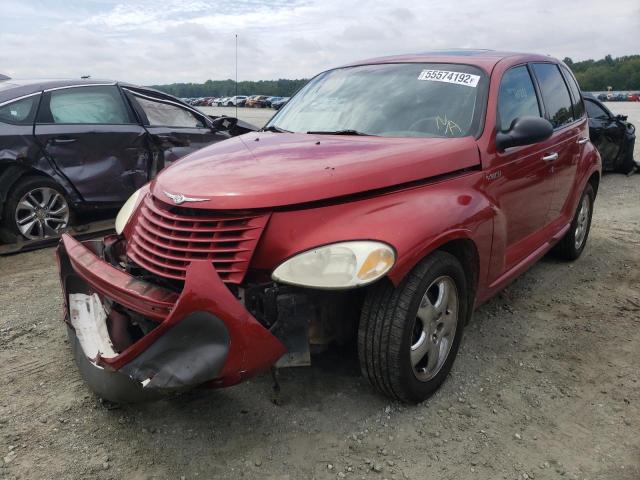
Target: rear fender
[(589, 164)]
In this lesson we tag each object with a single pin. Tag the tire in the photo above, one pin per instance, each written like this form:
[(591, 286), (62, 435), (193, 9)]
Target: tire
[(44, 201), (574, 241), (628, 164), (390, 329)]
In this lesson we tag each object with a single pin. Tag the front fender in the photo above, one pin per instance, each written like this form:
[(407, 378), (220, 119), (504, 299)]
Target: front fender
[(415, 221)]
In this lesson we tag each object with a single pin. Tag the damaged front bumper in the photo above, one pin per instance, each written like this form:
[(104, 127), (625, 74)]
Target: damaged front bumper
[(200, 336)]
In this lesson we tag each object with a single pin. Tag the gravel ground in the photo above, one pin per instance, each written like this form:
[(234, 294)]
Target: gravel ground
[(546, 386)]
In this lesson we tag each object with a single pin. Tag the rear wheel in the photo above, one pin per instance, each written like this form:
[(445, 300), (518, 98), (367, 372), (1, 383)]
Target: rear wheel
[(409, 336), (574, 241), (37, 208)]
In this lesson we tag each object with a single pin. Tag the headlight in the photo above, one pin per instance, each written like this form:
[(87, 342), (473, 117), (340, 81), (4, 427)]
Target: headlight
[(339, 265), (126, 211)]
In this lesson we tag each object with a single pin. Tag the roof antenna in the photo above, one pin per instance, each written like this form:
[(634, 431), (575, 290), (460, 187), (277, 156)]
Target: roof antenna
[(236, 75), (84, 77)]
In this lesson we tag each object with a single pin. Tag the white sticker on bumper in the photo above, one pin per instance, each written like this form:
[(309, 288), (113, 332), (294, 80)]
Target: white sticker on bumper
[(90, 323)]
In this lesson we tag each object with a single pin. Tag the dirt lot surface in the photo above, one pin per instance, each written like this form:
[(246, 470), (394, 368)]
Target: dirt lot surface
[(546, 386)]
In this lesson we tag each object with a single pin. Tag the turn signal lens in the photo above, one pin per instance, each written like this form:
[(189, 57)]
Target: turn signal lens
[(377, 264)]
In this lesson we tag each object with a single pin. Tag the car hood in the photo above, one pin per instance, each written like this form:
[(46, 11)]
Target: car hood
[(264, 169)]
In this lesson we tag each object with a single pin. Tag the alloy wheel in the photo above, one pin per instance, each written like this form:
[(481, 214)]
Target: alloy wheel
[(434, 328), (42, 212), (582, 223)]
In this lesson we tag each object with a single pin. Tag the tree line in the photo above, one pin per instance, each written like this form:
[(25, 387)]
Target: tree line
[(227, 88), (621, 73)]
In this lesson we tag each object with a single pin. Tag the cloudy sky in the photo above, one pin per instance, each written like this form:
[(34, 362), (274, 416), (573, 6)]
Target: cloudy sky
[(152, 42)]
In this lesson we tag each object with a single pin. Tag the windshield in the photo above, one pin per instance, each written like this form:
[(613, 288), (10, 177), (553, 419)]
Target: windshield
[(390, 100)]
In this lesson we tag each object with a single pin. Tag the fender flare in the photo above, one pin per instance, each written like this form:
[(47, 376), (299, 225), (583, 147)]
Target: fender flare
[(409, 262)]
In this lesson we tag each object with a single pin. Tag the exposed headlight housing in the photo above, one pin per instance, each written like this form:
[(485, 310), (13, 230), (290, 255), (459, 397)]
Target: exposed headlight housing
[(337, 266), (126, 211)]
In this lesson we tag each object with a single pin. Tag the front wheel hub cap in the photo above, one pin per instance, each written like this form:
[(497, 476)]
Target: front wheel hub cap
[(434, 328), (41, 213)]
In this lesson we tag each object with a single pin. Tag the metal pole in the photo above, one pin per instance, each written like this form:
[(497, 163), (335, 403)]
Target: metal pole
[(236, 75)]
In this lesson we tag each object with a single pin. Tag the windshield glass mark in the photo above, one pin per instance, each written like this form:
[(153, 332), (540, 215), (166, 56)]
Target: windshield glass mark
[(388, 100)]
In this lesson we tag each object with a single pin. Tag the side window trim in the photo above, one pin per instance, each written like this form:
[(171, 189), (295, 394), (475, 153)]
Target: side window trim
[(546, 115), (535, 88), (46, 98)]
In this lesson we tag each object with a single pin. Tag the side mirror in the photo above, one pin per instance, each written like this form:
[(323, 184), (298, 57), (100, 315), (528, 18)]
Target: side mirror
[(622, 118), (524, 131), (223, 123)]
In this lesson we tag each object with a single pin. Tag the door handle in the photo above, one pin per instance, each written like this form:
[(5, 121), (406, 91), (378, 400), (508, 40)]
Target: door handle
[(583, 140), (62, 140), (551, 157)]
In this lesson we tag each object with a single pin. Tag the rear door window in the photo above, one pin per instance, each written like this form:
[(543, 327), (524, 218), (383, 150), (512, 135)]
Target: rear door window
[(554, 94), (165, 114), (86, 105), (578, 104), (517, 97), (20, 112)]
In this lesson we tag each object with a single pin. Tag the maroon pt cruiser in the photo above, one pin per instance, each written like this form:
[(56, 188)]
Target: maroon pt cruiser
[(384, 202)]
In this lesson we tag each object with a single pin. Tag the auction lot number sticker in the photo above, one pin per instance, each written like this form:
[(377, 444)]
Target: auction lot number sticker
[(450, 77)]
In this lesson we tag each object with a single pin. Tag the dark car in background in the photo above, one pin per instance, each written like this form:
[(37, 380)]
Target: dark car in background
[(278, 104), (68, 146), (613, 136)]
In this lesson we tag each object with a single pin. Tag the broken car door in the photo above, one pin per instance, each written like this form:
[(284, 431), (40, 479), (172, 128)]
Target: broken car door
[(605, 132), (175, 129), (93, 139)]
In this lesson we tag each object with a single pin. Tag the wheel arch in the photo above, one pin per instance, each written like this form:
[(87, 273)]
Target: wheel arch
[(458, 243), (12, 173)]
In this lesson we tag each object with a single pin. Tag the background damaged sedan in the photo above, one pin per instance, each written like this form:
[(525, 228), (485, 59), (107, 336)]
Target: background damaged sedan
[(70, 146), (388, 222)]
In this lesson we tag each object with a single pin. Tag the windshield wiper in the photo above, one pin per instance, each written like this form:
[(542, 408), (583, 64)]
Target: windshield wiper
[(273, 128), (340, 132)]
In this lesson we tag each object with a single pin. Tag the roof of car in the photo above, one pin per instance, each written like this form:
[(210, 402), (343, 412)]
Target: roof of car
[(14, 87), (485, 59)]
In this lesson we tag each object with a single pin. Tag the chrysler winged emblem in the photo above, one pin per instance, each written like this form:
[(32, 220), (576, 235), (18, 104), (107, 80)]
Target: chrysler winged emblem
[(178, 198)]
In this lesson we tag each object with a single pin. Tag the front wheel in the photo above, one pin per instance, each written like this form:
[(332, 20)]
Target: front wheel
[(409, 336), (574, 241)]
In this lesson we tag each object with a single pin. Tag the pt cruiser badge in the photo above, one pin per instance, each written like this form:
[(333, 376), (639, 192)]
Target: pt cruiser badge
[(179, 198)]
